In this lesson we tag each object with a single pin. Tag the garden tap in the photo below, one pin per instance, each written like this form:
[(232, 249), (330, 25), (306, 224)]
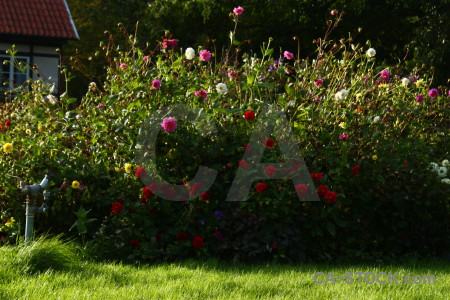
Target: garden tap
[(32, 191)]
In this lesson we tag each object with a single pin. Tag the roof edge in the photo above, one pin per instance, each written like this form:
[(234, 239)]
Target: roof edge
[(71, 20)]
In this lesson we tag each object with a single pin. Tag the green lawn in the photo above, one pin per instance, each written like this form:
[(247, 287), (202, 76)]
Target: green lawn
[(81, 279)]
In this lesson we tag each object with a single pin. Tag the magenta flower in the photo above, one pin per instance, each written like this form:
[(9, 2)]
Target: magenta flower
[(343, 137), (169, 43), (334, 12), (123, 66), (145, 58), (288, 55), (385, 74), (419, 98), (201, 93), (169, 124), (433, 93), (238, 11), (218, 235), (156, 84), (101, 105), (318, 81), (205, 55)]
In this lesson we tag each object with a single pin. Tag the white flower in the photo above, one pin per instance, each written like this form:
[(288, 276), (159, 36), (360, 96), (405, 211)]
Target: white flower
[(221, 88), (78, 116), (434, 167), (405, 81), (442, 171), (445, 163), (371, 52), (342, 94), (190, 53), (52, 99), (376, 119), (445, 180)]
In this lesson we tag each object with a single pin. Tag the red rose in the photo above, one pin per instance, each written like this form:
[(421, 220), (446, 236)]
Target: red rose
[(158, 237), (301, 189), (182, 236), (331, 197), (269, 143), (249, 115), (322, 190), (271, 171), (197, 242), (169, 193), (147, 192), (154, 187), (116, 207), (243, 164), (195, 188), (7, 123), (355, 170), (317, 176), (205, 197), (261, 187), (134, 243), (140, 172)]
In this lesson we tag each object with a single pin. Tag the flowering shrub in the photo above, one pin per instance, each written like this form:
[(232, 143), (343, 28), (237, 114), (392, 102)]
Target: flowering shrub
[(364, 136)]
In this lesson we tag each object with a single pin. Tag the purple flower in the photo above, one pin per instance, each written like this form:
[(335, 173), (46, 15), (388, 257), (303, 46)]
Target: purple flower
[(218, 235), (433, 93), (419, 98), (169, 124), (318, 81), (218, 214), (288, 55), (385, 75), (101, 105), (343, 137), (156, 84)]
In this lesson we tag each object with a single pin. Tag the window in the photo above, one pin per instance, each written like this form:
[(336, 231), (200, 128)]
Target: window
[(11, 76)]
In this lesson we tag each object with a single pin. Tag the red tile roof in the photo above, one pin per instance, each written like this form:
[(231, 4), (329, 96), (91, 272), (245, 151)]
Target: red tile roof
[(38, 18)]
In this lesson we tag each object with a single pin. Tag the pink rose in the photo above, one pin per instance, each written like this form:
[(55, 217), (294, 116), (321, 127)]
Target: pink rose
[(288, 55), (238, 11)]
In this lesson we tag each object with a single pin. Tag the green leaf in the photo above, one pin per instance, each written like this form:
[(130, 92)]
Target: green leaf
[(331, 228)]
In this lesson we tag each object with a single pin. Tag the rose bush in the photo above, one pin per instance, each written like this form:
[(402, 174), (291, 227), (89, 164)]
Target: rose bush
[(377, 197)]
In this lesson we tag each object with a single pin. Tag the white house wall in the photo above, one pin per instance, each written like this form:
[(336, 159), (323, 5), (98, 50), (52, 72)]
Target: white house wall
[(45, 57)]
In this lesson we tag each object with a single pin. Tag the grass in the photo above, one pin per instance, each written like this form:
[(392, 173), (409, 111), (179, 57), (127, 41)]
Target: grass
[(84, 279)]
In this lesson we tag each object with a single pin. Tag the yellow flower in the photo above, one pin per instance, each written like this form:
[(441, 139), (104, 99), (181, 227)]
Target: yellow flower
[(28, 131), (419, 82), (40, 128), (75, 184), (383, 85), (8, 147), (117, 169), (374, 157), (358, 96), (342, 125), (128, 168), (10, 222)]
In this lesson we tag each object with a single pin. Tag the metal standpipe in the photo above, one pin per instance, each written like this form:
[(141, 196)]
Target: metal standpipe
[(31, 209)]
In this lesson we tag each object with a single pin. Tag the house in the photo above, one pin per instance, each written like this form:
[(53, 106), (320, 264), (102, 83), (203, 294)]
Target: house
[(38, 29)]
